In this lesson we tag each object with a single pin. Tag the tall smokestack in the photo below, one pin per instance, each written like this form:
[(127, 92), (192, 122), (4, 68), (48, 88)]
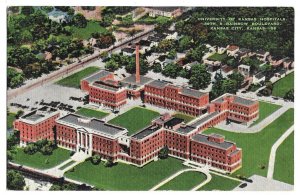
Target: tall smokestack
[(137, 63)]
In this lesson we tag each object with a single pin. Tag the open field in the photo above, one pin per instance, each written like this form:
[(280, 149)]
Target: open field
[(257, 146), (91, 113), (85, 33), (284, 164), (281, 87), (74, 79), (10, 119), (38, 160), (185, 181), (135, 119), (217, 57), (123, 176), (186, 118), (265, 109), (219, 183)]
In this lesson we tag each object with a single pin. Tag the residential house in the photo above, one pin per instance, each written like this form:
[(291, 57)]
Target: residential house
[(244, 70), (232, 49), (258, 78)]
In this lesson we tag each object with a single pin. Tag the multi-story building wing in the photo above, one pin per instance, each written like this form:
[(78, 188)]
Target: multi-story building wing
[(36, 125), (164, 94)]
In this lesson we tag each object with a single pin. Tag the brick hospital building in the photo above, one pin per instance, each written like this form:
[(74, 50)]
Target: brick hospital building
[(185, 141)]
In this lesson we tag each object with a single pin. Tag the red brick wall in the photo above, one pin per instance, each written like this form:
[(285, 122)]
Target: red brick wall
[(39, 131)]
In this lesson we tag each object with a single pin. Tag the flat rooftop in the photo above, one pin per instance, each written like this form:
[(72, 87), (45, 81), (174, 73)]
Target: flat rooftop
[(97, 76), (38, 114), (158, 83), (204, 139), (236, 99), (131, 80), (107, 86), (204, 119), (192, 92), (173, 121), (94, 124), (185, 129), (147, 131)]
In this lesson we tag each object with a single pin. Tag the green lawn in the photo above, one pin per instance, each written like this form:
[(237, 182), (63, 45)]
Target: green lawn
[(91, 113), (74, 79), (10, 119), (123, 176), (217, 57), (281, 87), (38, 160), (135, 119), (85, 33), (184, 182), (265, 109), (186, 118), (257, 146), (219, 183), (284, 164)]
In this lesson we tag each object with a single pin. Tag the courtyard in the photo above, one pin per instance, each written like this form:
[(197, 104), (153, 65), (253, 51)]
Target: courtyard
[(265, 109), (281, 87), (91, 113), (135, 119)]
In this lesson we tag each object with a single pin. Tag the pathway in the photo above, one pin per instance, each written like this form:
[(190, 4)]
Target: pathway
[(208, 178), (274, 149)]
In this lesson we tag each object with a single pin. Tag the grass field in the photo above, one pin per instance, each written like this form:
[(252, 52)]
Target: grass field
[(125, 177), (85, 33), (10, 119), (257, 146), (219, 183), (185, 181), (284, 164), (135, 119), (281, 87), (186, 118), (265, 109), (91, 113), (217, 57), (38, 160), (66, 165), (74, 79)]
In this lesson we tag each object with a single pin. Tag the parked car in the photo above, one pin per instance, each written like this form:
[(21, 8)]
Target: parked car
[(243, 185)]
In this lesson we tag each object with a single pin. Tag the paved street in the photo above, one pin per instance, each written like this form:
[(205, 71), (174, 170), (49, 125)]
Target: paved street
[(264, 184)]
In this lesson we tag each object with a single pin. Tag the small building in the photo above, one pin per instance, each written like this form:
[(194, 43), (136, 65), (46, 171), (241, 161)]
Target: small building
[(232, 49), (170, 12), (262, 55), (258, 78), (59, 16), (242, 53), (280, 74), (128, 51), (244, 70)]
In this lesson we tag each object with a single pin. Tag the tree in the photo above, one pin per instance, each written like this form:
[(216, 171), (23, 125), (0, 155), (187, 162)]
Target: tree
[(15, 181), (109, 162), (163, 153), (30, 149), (46, 150), (79, 21), (289, 95), (19, 114), (184, 73), (196, 54), (13, 139), (200, 77), (185, 43), (165, 45), (238, 77), (111, 65), (55, 187), (171, 70), (27, 10), (14, 78), (96, 159), (156, 67)]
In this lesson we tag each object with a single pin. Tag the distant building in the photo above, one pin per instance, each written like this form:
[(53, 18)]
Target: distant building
[(36, 125), (259, 78), (262, 55), (170, 12), (244, 70), (59, 16), (280, 74), (232, 49)]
